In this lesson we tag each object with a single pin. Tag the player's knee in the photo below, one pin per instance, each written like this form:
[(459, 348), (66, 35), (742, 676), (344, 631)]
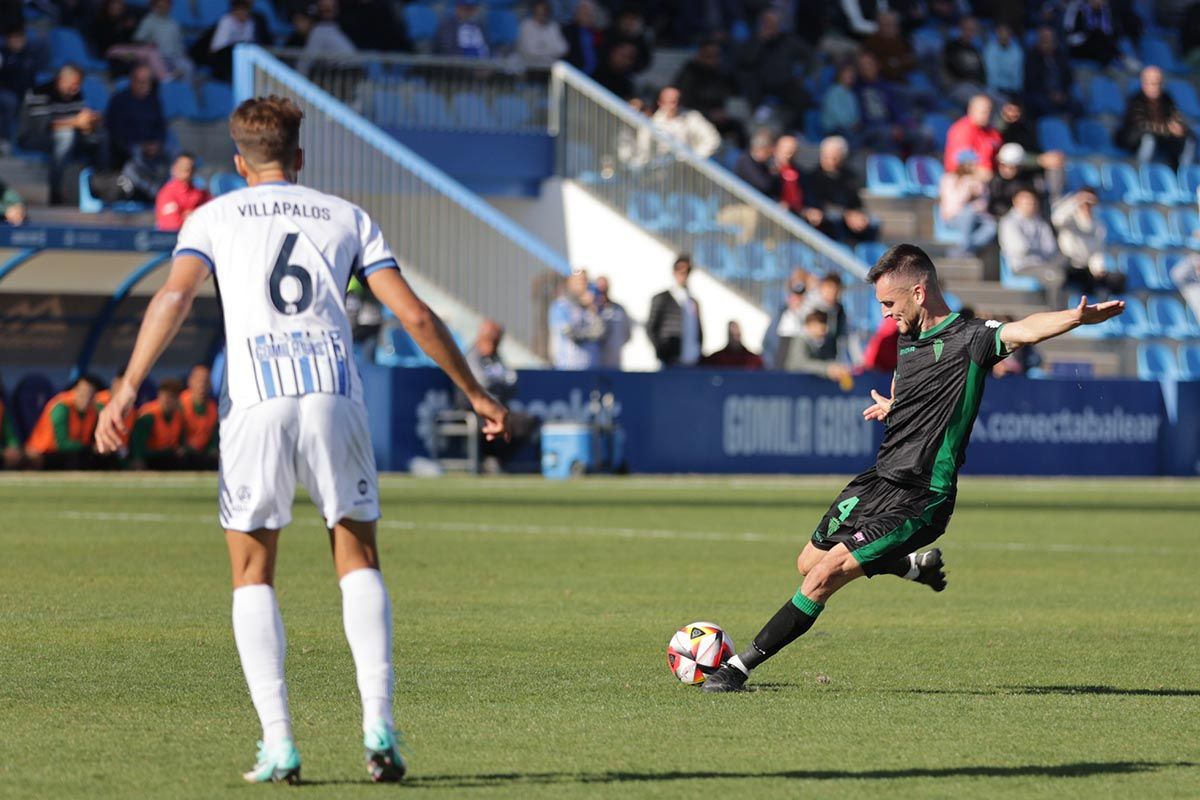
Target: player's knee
[(801, 565)]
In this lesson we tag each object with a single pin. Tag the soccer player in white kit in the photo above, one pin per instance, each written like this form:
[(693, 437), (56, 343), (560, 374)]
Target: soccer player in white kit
[(291, 407)]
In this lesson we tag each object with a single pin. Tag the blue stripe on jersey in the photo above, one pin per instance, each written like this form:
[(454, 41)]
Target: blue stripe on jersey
[(387, 263), (267, 375), (305, 370), (189, 251), (343, 385)]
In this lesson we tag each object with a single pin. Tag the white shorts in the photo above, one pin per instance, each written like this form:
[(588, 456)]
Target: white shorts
[(322, 439)]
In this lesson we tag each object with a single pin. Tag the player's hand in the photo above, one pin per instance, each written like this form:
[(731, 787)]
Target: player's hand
[(110, 429), (1095, 314), (880, 409), (494, 416)]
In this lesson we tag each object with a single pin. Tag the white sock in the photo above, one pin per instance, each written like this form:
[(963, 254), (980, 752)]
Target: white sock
[(736, 663), (913, 569), (367, 616), (258, 631)]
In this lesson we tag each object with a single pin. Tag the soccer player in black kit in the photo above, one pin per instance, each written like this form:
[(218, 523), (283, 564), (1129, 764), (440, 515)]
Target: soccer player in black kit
[(904, 502)]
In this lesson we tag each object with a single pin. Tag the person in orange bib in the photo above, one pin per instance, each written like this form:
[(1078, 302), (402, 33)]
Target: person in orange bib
[(62, 437), (157, 438), (200, 419), (10, 445)]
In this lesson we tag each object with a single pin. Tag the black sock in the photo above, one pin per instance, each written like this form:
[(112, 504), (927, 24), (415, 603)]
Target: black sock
[(900, 567), (789, 623)]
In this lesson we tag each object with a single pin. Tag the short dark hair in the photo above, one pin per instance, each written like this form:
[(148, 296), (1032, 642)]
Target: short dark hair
[(832, 277), (172, 385), (95, 380), (682, 258), (817, 315), (906, 260)]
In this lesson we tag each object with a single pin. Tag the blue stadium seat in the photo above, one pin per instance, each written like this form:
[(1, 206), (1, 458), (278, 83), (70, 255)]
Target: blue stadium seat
[(225, 182), (512, 110), (1021, 283), (796, 254), (1117, 223), (1161, 185), (759, 263), (1189, 362), (1185, 226), (67, 47), (90, 204), (1105, 96), (1151, 226), (647, 210), (938, 125), (1055, 134), (870, 252), (715, 256), (95, 92), (1094, 138), (924, 175), (1168, 316), (1080, 174), (422, 22), (1156, 362), (389, 108), (813, 132), (502, 27), (178, 100), (1135, 322), (1142, 272), (885, 175), (928, 41), (1119, 183), (1184, 95), (695, 214), (216, 100), (471, 111), (429, 110), (208, 12), (1157, 52), (941, 231), (1189, 181), (29, 397)]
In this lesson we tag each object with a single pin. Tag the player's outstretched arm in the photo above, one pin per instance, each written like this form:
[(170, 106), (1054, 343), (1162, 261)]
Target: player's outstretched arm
[(1048, 324), (164, 316), (431, 335)]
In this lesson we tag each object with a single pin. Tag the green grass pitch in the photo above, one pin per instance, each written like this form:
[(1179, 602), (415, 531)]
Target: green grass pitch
[(531, 622)]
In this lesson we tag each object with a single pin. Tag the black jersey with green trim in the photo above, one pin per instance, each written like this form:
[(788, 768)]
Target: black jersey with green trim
[(939, 385)]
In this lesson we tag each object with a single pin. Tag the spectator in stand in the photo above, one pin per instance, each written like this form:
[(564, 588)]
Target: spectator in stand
[(1091, 31), (885, 125), (10, 443), (373, 26), (769, 69), (1081, 238), (735, 354), (788, 321), (1004, 61), (585, 42), (616, 73), (302, 25), (1186, 276), (828, 298), (12, 205), (962, 62), (674, 322), (882, 352), (576, 329), (791, 191), (160, 30), (1049, 78), (685, 125), (111, 32), (199, 409), (891, 49), (1029, 244), (1012, 176), (487, 365), (326, 39), (617, 329), (180, 196), (145, 173), (1049, 165), (814, 351), (62, 437), (460, 34), (974, 132), (630, 28), (57, 121), (706, 85), (832, 191), (756, 166), (963, 204), (840, 113), (1153, 125), (17, 70), (135, 115), (540, 41), (241, 25), (156, 441)]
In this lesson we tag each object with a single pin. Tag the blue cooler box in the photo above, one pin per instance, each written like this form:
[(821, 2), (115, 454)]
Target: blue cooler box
[(567, 449)]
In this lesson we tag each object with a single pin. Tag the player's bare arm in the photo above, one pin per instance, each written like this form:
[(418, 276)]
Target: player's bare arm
[(164, 317), (1046, 325), (430, 333)]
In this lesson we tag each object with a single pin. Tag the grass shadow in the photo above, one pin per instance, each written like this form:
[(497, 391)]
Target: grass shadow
[(1092, 689)]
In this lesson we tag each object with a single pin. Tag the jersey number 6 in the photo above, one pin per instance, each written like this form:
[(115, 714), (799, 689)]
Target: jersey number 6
[(299, 290)]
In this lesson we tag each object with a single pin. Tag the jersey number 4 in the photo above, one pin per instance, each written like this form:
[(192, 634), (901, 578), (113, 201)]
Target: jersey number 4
[(291, 285)]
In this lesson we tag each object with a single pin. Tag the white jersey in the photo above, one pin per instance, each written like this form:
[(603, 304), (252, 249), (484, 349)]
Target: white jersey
[(282, 256)]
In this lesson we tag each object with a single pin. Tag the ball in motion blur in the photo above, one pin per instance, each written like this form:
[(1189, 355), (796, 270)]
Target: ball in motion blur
[(698, 650)]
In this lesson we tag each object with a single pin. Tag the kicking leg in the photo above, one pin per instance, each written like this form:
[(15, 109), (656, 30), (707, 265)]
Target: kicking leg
[(367, 617), (258, 632), (835, 569), (927, 568)]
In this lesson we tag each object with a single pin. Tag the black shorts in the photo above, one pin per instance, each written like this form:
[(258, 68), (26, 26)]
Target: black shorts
[(880, 521)]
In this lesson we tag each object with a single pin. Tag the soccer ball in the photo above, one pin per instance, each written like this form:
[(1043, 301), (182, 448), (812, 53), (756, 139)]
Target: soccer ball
[(698, 650)]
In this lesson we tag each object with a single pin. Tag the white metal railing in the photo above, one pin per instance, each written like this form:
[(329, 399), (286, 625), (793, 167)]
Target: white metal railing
[(696, 206), (434, 225)]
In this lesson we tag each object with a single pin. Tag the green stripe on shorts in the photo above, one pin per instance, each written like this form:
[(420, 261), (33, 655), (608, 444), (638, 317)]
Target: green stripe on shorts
[(899, 536)]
